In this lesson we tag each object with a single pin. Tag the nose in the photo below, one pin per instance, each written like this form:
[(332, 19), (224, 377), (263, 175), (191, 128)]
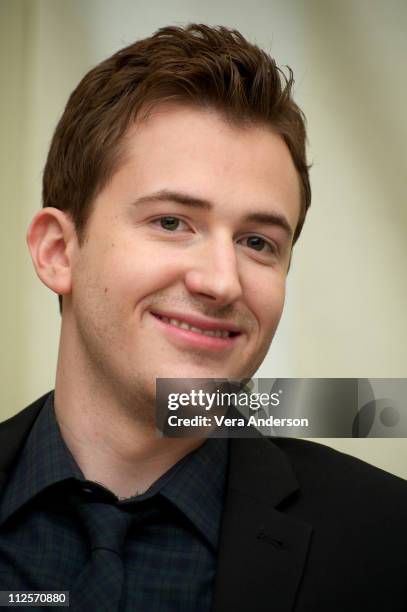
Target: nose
[(214, 274)]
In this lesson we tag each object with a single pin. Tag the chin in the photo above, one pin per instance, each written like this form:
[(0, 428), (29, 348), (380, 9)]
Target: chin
[(199, 372)]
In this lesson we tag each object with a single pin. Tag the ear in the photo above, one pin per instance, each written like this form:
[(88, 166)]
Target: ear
[(52, 241)]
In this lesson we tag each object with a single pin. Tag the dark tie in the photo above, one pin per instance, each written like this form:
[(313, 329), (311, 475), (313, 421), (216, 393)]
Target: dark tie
[(99, 585)]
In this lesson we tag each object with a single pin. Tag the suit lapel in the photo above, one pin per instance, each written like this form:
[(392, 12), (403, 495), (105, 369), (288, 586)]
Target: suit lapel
[(262, 551)]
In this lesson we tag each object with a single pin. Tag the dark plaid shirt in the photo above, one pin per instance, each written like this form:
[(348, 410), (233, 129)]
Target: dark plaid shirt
[(170, 562)]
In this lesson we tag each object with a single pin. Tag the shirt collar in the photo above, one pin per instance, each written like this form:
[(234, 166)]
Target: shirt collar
[(195, 485), (198, 487), (45, 460)]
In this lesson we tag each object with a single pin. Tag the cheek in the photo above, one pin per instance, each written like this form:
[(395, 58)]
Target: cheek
[(134, 274), (266, 301)]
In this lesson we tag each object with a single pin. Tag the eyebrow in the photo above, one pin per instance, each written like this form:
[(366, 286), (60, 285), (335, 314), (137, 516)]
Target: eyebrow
[(185, 199)]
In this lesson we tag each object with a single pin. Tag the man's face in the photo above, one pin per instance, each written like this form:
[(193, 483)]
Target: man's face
[(182, 271)]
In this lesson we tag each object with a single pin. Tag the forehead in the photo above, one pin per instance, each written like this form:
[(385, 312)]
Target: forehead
[(198, 151)]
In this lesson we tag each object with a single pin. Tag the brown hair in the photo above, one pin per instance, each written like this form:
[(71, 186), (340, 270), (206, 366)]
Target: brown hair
[(196, 64)]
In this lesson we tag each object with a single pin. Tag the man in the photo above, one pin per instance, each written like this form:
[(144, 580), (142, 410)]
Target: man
[(175, 188)]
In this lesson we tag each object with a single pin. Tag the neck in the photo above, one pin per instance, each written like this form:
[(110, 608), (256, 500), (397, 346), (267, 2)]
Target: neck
[(110, 438)]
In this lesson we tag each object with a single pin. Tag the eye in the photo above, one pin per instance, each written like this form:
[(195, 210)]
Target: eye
[(258, 244), (169, 223)]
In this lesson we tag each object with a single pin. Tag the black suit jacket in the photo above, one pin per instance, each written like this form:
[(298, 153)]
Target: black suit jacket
[(305, 528)]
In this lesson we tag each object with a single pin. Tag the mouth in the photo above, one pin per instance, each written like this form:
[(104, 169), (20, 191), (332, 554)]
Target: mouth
[(203, 334)]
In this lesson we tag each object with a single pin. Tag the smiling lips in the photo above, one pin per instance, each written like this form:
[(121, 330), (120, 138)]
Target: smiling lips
[(207, 333)]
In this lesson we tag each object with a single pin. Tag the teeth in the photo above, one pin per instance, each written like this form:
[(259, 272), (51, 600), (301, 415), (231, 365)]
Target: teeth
[(216, 333)]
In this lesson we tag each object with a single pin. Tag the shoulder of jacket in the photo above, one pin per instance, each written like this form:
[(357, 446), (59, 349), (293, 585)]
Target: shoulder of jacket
[(14, 430), (334, 469)]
